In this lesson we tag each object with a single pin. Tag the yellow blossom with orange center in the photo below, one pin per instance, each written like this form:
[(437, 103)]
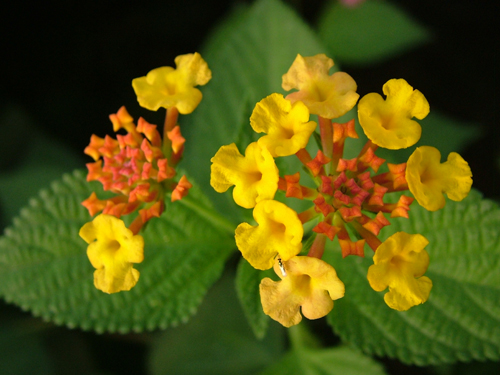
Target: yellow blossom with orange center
[(328, 96), (307, 283), (279, 231), (399, 263), (254, 176), (287, 125), (428, 178), (112, 250), (168, 87), (388, 123)]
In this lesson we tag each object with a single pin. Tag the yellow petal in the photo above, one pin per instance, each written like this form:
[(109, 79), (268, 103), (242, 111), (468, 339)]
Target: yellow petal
[(279, 230), (388, 123), (324, 95), (399, 264), (195, 68), (287, 126), (279, 302), (304, 69), (412, 293), (112, 250), (428, 179), (168, 87), (255, 175), (310, 284)]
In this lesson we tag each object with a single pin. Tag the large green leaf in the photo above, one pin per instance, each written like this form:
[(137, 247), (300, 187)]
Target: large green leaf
[(217, 341), (368, 33), (43, 265), (305, 357), (461, 319), (247, 285), (248, 54)]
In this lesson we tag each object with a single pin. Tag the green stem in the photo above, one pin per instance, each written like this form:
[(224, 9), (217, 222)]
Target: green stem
[(302, 338), (211, 215)]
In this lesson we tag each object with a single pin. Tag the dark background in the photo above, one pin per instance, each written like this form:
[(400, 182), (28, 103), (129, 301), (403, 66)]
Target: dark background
[(67, 65)]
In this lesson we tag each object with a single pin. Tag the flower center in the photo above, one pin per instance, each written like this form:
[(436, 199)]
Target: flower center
[(113, 246)]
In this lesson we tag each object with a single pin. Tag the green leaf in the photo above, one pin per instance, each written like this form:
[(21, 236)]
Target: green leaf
[(307, 359), (247, 285), (44, 267), (216, 341), (248, 55), (461, 319), (368, 33)]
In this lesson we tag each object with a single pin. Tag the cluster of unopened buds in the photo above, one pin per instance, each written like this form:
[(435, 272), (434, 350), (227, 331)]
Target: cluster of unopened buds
[(348, 196), (139, 169)]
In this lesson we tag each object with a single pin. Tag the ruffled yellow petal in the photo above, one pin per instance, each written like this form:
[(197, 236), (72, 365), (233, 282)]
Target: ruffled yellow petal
[(279, 230), (388, 123), (399, 264), (329, 96), (428, 178), (287, 126), (168, 87), (112, 250), (309, 283), (255, 175)]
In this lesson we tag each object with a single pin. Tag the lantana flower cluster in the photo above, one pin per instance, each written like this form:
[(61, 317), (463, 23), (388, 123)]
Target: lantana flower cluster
[(139, 169), (348, 200)]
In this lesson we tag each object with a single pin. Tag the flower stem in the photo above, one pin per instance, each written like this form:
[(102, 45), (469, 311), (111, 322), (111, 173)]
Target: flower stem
[(170, 120), (326, 132), (318, 246), (210, 215)]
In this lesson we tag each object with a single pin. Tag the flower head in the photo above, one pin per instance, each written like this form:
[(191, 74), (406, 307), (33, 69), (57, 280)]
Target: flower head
[(287, 126), (428, 178), (133, 167), (255, 175), (388, 123), (399, 263), (328, 96), (112, 250), (279, 231), (168, 87), (306, 282)]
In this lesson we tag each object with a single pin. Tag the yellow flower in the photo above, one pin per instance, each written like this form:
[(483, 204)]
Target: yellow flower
[(287, 126), (388, 123), (112, 250), (329, 96), (254, 175), (306, 282), (279, 232), (428, 179), (399, 263), (168, 87)]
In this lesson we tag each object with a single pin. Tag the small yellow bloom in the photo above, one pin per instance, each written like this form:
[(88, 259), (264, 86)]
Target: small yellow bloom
[(428, 178), (112, 250), (388, 123), (168, 87), (287, 126), (254, 175), (399, 263), (306, 282), (279, 232), (329, 96)]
